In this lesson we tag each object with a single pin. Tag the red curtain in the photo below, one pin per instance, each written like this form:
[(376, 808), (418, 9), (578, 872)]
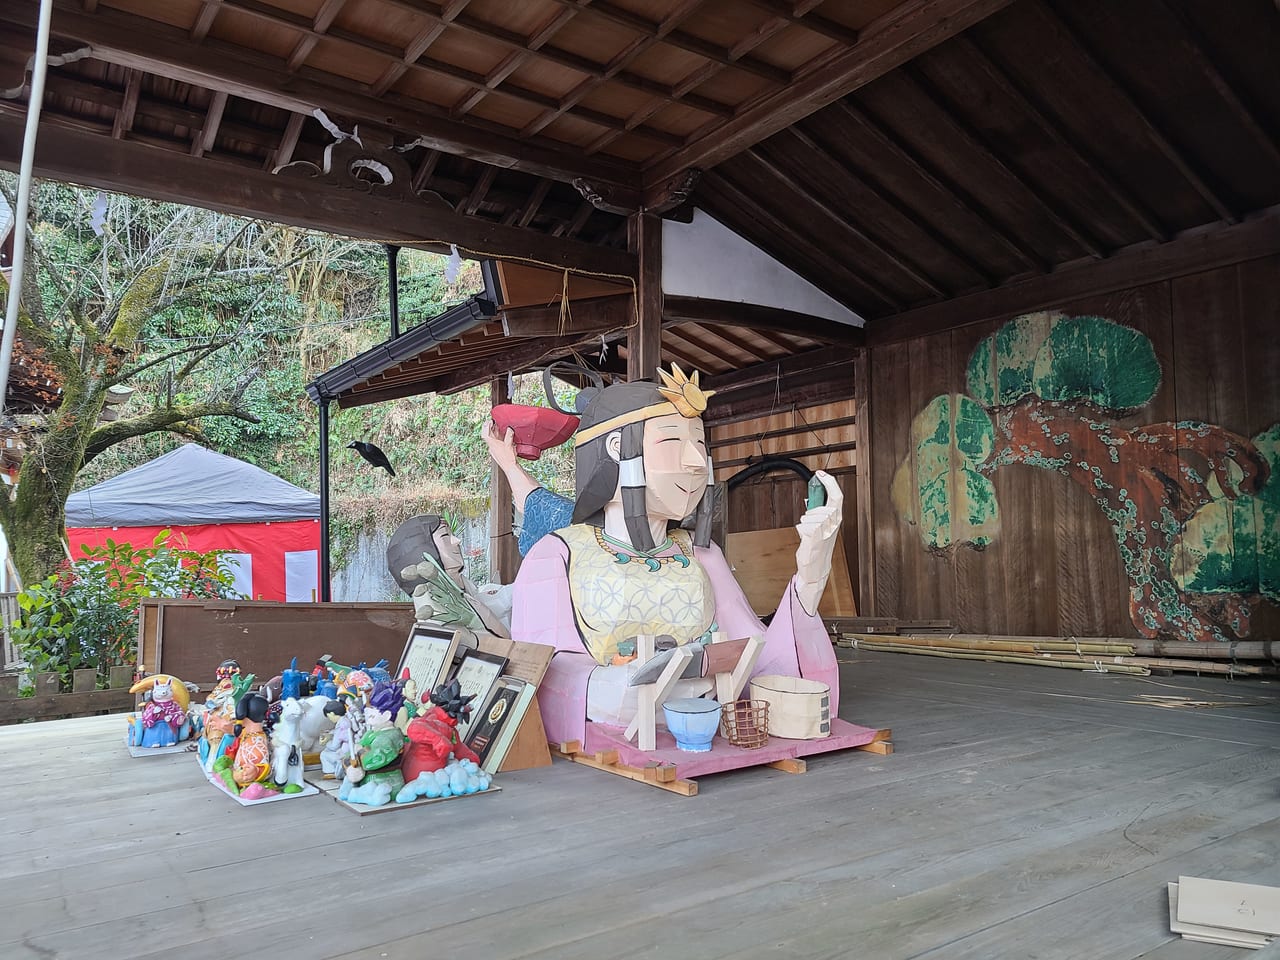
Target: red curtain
[(265, 543)]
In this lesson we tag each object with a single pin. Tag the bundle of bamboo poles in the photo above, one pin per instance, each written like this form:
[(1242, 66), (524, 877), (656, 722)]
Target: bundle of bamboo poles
[(1102, 654)]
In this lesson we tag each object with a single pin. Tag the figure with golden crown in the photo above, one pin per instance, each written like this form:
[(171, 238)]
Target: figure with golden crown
[(637, 558)]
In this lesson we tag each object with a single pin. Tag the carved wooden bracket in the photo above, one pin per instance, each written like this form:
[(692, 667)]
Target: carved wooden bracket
[(610, 199), (382, 172), (672, 192)]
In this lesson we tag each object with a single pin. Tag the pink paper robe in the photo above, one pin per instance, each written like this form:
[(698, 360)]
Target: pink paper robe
[(796, 644)]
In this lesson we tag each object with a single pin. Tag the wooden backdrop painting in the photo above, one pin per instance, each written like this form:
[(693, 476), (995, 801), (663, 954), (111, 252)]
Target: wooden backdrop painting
[(1194, 508)]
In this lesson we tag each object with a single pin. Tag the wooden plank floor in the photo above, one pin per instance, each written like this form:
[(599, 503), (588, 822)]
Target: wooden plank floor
[(1027, 813)]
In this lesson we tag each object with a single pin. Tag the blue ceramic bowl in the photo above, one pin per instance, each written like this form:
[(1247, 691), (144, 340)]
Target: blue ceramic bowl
[(692, 722)]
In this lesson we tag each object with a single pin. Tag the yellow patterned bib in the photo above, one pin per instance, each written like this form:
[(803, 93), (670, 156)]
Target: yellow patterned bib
[(618, 595)]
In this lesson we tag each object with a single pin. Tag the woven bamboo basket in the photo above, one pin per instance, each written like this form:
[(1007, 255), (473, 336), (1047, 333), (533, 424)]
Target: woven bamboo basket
[(745, 723)]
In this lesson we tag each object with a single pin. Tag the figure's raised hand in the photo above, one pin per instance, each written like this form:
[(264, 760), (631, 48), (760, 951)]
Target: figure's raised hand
[(502, 447), (503, 451), (817, 529)]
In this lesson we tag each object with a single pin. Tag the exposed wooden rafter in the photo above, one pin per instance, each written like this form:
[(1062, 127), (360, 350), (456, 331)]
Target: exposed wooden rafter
[(324, 17), (208, 132), (78, 157), (419, 45), (729, 201), (904, 32), (129, 106), (750, 316), (940, 182), (1061, 30), (132, 41), (288, 142), (439, 68), (950, 118), (1126, 269), (696, 79), (1027, 102), (1195, 52), (832, 160), (614, 66), (514, 60), (805, 183)]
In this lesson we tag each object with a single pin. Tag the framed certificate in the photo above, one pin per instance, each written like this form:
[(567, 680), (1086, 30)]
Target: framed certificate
[(428, 655), (477, 674)]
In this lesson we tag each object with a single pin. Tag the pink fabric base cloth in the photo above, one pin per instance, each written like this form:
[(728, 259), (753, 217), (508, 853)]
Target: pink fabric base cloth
[(723, 755)]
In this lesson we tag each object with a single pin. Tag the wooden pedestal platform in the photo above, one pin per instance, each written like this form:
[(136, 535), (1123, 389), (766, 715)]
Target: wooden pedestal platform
[(671, 769)]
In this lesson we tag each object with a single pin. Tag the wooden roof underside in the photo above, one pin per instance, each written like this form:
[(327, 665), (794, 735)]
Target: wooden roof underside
[(897, 155)]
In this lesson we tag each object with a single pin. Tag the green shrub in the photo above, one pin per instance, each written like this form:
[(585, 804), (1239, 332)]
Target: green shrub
[(86, 615)]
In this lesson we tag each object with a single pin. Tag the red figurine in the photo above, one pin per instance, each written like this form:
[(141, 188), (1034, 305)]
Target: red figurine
[(433, 735)]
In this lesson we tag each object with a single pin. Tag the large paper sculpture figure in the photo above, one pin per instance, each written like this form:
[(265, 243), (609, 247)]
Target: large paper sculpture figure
[(625, 567), (425, 558)]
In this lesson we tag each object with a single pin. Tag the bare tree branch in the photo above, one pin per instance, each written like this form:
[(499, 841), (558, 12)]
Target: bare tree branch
[(166, 418), (208, 346)]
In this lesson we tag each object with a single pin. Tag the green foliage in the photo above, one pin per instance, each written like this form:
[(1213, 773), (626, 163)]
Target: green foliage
[(1055, 357), (1232, 543), (86, 615), (938, 486)]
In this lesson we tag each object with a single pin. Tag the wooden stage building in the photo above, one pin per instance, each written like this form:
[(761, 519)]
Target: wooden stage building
[(1026, 813), (1010, 269)]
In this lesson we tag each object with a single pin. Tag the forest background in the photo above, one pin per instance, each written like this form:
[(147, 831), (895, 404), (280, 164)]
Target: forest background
[(288, 304)]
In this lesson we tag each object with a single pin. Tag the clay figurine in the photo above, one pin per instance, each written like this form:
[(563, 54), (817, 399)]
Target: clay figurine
[(433, 735), (163, 720)]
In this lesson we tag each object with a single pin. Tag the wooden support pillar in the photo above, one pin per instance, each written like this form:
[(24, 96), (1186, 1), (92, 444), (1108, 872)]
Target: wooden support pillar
[(866, 514), (504, 555), (644, 340)]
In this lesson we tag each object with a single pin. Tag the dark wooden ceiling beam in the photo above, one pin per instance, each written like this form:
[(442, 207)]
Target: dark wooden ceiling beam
[(675, 351), (514, 60), (526, 354), (743, 205), (750, 316), (419, 45), (563, 58), (950, 118), (691, 82), (1188, 38), (800, 15), (1031, 105), (97, 161), (882, 194), (774, 371), (288, 142), (1063, 33), (204, 19), (1143, 264), (678, 340), (530, 208), (477, 82), (615, 66), (717, 334), (685, 41), (323, 19), (904, 32), (592, 316), (128, 106), (820, 206), (132, 41), (208, 132), (960, 198), (422, 175), (477, 195)]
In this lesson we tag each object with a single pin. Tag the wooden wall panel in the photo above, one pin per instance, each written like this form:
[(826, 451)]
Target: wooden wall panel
[(1055, 567)]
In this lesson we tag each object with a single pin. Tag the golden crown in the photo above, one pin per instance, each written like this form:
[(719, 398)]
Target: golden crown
[(681, 394)]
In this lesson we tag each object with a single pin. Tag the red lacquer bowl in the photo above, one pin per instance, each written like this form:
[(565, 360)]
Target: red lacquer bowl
[(536, 428)]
